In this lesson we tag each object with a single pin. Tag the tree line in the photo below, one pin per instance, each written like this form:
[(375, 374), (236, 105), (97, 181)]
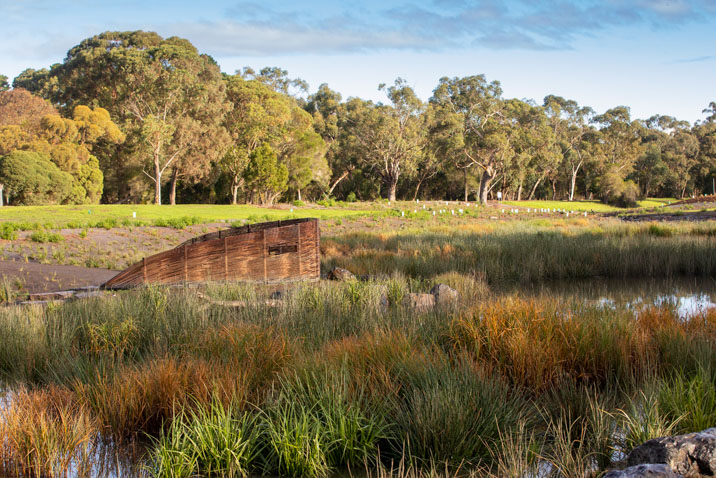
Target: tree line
[(134, 117)]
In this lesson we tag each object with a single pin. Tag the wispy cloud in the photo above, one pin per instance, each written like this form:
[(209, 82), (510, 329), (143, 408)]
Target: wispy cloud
[(260, 29), (270, 28), (697, 59)]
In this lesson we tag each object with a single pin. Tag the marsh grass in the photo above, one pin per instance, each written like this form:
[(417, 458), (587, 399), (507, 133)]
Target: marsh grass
[(525, 253), (44, 434), (227, 380)]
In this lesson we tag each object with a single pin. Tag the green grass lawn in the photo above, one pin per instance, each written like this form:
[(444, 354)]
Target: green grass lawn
[(88, 215)]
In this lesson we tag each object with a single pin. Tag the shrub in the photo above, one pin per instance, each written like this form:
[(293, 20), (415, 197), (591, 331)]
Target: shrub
[(351, 197), (8, 231), (42, 237), (328, 202), (299, 203)]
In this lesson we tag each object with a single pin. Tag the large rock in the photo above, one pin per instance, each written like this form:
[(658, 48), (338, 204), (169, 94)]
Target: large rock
[(643, 471), (340, 274), (444, 294), (691, 455), (419, 302)]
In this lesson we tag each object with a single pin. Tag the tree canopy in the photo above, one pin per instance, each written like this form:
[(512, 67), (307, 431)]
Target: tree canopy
[(127, 113)]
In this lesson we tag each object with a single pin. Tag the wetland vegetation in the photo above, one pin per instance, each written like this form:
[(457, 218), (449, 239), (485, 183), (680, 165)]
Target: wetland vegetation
[(339, 376)]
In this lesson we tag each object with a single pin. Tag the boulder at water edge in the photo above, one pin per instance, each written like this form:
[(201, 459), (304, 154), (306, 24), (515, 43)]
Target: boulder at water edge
[(340, 274), (444, 294), (692, 455), (419, 302), (643, 471)]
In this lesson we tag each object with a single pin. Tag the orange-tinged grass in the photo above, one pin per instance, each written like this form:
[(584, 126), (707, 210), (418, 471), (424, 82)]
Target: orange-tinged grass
[(45, 434), (535, 343), (136, 399)]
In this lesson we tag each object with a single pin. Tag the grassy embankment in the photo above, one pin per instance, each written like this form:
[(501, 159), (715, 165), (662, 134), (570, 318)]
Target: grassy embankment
[(108, 216), (335, 377), (589, 206)]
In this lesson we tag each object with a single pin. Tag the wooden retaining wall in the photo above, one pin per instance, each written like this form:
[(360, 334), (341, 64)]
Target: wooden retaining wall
[(277, 251)]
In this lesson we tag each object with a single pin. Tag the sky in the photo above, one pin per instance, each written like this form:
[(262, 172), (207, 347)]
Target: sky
[(655, 56)]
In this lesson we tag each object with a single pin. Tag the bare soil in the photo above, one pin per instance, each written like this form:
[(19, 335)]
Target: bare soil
[(32, 277)]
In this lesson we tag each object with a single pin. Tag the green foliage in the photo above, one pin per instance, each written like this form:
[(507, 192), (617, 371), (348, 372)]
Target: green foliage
[(31, 178), (8, 231), (215, 440), (454, 414), (265, 176), (42, 236), (616, 191)]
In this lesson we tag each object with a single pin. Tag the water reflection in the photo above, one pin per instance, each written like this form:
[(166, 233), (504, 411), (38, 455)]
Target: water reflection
[(687, 296)]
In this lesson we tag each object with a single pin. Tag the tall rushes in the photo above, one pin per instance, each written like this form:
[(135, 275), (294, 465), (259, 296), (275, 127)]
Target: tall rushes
[(351, 421), (43, 434), (131, 400), (500, 255), (537, 343), (453, 413), (213, 440)]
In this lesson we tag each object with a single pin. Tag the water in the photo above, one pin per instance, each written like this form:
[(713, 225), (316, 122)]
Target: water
[(687, 296)]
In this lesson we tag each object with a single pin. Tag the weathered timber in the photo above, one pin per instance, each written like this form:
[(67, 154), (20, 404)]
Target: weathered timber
[(268, 252)]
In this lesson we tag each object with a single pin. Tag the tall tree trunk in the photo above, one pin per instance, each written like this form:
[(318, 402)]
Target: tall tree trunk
[(157, 183), (554, 189), (338, 180), (2, 186), (392, 187), (234, 193), (534, 188), (299, 194), (573, 182), (417, 189), (519, 192), (464, 173), (485, 185), (173, 187)]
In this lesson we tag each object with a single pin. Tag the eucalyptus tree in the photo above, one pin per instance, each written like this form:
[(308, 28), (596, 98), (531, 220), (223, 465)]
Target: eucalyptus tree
[(570, 123), (258, 115), (679, 149), (620, 142), (277, 79), (536, 149), (261, 115), (164, 94), (329, 121), (705, 132), (475, 125), (390, 138)]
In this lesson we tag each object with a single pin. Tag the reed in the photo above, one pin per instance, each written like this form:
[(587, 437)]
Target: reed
[(44, 434)]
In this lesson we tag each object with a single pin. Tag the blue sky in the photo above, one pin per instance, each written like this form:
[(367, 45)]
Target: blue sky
[(656, 56)]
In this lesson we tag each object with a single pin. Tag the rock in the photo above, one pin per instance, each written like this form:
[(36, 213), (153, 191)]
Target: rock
[(89, 294), (45, 296), (419, 302), (691, 455), (444, 294), (643, 471), (340, 274), (277, 295)]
